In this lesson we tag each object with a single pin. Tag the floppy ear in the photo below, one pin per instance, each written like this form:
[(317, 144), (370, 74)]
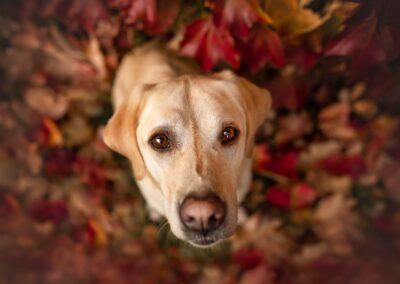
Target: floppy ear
[(120, 131), (256, 102)]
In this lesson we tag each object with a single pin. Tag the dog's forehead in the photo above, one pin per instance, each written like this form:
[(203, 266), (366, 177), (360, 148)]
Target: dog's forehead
[(199, 96), (215, 101)]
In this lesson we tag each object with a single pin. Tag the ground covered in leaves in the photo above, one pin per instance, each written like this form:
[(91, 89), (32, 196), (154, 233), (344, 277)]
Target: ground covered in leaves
[(324, 204)]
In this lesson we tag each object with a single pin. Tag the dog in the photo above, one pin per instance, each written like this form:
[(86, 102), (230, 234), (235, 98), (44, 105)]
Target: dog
[(189, 138)]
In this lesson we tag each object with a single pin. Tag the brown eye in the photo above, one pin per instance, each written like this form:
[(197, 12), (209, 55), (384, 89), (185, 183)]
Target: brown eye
[(229, 135), (160, 142)]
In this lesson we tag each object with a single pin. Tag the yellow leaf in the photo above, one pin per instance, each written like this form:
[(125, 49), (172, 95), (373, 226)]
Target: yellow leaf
[(291, 18), (99, 235), (55, 136)]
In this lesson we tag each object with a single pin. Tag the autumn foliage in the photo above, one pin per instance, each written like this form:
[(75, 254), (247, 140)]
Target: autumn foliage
[(324, 203)]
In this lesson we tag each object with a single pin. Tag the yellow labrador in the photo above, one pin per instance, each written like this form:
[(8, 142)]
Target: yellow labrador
[(189, 138)]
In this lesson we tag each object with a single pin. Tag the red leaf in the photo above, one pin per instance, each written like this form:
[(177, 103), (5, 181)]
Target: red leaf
[(261, 274), (59, 162), (136, 12), (263, 46), (302, 195), (371, 35), (91, 172), (209, 44), (247, 258), (288, 91), (302, 57), (344, 165), (8, 204), (54, 211), (86, 14), (165, 17), (279, 197), (150, 15), (238, 15), (281, 163), (384, 88)]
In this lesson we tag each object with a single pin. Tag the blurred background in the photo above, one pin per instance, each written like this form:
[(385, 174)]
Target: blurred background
[(324, 203)]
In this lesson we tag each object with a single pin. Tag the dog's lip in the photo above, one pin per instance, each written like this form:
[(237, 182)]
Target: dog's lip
[(204, 242)]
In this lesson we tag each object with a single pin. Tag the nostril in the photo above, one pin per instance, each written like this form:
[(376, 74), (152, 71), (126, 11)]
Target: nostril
[(189, 219), (213, 222)]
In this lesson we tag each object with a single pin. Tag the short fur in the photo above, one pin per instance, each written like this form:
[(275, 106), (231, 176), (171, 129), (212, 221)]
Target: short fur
[(155, 90)]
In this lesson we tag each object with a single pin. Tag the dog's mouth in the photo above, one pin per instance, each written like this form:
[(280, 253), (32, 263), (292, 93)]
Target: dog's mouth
[(204, 241), (208, 238)]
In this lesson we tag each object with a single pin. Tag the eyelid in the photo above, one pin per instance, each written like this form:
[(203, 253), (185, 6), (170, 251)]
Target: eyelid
[(230, 124)]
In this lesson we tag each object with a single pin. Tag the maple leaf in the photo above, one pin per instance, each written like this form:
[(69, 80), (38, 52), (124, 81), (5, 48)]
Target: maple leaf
[(152, 16), (166, 13), (290, 17), (136, 12), (239, 16), (263, 46), (371, 35), (209, 44), (301, 56)]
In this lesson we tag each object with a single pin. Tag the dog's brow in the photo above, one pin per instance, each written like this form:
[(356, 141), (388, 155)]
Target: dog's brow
[(161, 128)]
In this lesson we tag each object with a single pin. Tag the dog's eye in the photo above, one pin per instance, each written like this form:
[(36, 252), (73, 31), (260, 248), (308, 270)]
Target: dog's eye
[(229, 135), (160, 142)]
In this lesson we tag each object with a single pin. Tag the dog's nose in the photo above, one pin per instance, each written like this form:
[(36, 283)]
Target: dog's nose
[(202, 214)]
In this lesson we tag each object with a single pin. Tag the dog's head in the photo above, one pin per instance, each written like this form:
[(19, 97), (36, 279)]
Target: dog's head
[(192, 136)]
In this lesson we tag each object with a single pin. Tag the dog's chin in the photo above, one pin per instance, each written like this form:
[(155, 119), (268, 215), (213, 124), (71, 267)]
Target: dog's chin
[(205, 242)]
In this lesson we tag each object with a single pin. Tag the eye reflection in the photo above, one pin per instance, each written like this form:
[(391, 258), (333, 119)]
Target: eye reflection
[(229, 135), (160, 142)]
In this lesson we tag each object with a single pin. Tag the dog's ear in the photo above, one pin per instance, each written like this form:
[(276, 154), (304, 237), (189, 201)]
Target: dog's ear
[(256, 102), (120, 131)]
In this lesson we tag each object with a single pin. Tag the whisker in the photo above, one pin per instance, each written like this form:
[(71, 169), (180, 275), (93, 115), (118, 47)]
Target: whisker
[(162, 226)]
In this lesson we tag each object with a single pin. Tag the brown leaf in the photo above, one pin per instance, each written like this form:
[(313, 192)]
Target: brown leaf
[(47, 102)]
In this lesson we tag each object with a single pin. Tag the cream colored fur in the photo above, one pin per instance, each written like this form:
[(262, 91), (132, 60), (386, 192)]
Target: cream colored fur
[(154, 89)]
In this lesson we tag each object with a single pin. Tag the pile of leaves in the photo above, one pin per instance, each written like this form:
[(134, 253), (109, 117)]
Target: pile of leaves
[(324, 204)]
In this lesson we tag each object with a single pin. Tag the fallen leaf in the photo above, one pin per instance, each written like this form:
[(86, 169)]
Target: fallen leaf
[(302, 195), (288, 91), (291, 18), (46, 102), (247, 258), (278, 196), (54, 211), (209, 44), (240, 16), (263, 46), (391, 180), (259, 275)]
